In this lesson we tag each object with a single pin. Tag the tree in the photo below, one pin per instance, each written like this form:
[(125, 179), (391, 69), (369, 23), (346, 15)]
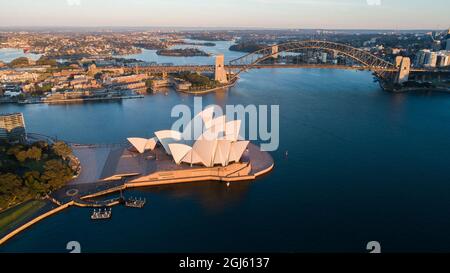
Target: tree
[(27, 171), (46, 61), (14, 149), (10, 182), (44, 88), (60, 148), (33, 181), (21, 61), (34, 153), (56, 174), (21, 156), (11, 190)]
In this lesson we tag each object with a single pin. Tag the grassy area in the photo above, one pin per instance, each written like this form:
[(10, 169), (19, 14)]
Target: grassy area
[(16, 214)]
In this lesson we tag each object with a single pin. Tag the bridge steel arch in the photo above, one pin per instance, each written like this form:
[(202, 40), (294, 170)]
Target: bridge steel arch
[(377, 65)]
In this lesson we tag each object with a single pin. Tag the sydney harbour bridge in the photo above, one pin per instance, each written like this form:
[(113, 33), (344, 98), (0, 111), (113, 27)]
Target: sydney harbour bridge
[(387, 72)]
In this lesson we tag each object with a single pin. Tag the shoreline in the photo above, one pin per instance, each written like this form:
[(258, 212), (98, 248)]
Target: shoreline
[(230, 174), (206, 91)]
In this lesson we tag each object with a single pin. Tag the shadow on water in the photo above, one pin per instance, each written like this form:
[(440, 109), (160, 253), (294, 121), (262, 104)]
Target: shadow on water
[(211, 195)]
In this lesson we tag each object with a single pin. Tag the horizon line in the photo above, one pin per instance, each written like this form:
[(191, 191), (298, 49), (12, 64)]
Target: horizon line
[(231, 28)]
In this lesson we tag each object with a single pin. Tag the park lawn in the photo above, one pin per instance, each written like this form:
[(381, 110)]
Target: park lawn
[(19, 213)]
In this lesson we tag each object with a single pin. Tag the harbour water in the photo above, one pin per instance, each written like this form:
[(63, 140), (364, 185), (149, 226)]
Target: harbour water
[(221, 47), (363, 165), (9, 54)]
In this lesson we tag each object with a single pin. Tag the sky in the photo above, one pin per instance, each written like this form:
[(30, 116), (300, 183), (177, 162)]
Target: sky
[(302, 14)]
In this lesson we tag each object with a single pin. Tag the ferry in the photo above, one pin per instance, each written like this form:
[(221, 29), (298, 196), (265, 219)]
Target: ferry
[(101, 214), (135, 203)]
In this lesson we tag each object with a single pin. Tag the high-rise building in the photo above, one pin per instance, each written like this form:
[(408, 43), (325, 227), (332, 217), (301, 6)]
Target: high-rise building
[(323, 57), (420, 57), (12, 127), (430, 59), (447, 47), (443, 59)]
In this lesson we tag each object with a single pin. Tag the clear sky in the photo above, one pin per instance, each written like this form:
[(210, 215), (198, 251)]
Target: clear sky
[(361, 14)]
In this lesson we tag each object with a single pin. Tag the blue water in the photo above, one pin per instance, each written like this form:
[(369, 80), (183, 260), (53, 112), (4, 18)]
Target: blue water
[(9, 54), (221, 47), (363, 165)]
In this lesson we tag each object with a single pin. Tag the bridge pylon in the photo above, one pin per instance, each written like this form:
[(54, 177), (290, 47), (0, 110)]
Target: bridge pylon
[(403, 64), (220, 74), (275, 51)]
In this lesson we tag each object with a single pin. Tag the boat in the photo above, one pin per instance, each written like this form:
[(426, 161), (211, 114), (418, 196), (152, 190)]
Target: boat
[(135, 203), (101, 214)]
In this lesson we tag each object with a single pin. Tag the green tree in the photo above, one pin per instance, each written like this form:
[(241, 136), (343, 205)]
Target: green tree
[(56, 174), (34, 153), (61, 149), (47, 87), (33, 181), (21, 61), (21, 156), (46, 61), (14, 150), (27, 171), (12, 191)]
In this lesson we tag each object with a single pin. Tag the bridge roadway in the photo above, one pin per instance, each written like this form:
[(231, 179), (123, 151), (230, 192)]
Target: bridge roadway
[(211, 68)]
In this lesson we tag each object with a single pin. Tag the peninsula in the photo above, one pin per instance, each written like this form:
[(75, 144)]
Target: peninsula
[(182, 52)]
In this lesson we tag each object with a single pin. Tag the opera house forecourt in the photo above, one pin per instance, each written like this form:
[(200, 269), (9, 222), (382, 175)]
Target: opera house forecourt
[(209, 148)]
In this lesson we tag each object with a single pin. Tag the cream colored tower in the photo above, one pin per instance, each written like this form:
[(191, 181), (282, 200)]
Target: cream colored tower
[(220, 74)]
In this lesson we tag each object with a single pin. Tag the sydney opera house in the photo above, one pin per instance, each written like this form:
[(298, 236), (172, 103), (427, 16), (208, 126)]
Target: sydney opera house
[(208, 148), (218, 143)]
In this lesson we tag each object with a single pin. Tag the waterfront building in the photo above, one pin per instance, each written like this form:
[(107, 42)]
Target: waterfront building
[(126, 79), (427, 58), (430, 59), (12, 127), (420, 57), (160, 83), (323, 57), (443, 60), (17, 76), (181, 85), (218, 144), (138, 87)]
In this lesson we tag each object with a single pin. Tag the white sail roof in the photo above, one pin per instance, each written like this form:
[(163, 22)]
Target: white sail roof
[(222, 152), (196, 126), (192, 158), (138, 143), (237, 150), (215, 132), (179, 151), (167, 137), (206, 150), (142, 144), (217, 144), (207, 114), (151, 143), (232, 130), (218, 122)]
